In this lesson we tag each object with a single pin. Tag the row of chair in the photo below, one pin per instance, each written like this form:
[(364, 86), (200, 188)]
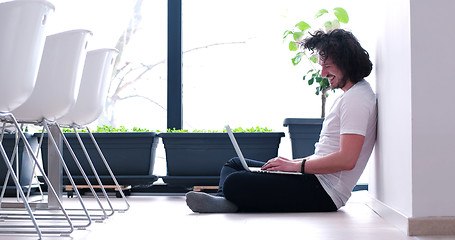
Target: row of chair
[(49, 81)]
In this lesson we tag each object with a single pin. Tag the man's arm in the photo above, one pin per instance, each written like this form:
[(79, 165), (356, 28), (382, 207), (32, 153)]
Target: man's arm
[(345, 159)]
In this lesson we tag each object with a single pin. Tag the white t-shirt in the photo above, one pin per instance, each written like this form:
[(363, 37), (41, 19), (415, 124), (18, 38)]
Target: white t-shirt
[(354, 112)]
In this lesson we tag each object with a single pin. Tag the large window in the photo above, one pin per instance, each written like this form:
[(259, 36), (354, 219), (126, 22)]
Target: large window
[(236, 67), (138, 28)]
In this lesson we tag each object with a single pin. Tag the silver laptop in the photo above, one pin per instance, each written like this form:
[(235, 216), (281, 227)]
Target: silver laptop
[(242, 159)]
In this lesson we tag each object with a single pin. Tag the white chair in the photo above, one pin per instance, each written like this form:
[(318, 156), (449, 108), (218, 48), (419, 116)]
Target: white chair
[(22, 30), (94, 87), (22, 26), (90, 103), (58, 79), (55, 94)]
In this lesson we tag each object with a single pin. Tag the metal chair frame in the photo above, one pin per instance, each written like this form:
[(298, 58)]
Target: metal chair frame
[(86, 216), (106, 164), (11, 228)]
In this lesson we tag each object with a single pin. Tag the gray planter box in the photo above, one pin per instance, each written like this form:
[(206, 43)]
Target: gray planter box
[(131, 156), (304, 133), (197, 158), (25, 163)]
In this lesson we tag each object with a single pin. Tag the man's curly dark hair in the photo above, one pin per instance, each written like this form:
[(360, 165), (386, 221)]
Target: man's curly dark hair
[(345, 51)]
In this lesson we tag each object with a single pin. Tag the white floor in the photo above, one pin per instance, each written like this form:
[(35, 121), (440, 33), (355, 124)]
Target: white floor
[(167, 217)]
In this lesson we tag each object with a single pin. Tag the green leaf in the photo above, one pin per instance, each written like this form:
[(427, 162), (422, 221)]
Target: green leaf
[(320, 13), (317, 90), (310, 71), (297, 58), (303, 26), (298, 35), (324, 83), (341, 14), (335, 24), (328, 26), (318, 79), (293, 46), (311, 81), (304, 76), (287, 33), (314, 58)]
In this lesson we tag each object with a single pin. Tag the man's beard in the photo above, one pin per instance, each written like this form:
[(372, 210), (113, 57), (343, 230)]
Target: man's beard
[(340, 84)]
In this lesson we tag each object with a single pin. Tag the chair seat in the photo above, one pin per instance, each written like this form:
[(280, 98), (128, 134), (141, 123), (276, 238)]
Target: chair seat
[(92, 95), (59, 77), (22, 28)]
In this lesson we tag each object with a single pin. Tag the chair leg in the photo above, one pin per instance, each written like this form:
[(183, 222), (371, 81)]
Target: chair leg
[(4, 117), (12, 160), (22, 195), (89, 160), (83, 173), (33, 172), (109, 169), (65, 168), (15, 155)]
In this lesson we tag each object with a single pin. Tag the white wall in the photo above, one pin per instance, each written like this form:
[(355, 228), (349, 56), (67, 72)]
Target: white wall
[(433, 110), (391, 174), (415, 151)]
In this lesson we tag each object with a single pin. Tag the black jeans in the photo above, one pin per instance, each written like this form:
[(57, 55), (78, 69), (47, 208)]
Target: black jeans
[(264, 192)]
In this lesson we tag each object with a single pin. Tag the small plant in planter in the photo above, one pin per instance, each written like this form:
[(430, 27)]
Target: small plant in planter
[(302, 29), (196, 157), (129, 152), (238, 129), (109, 129)]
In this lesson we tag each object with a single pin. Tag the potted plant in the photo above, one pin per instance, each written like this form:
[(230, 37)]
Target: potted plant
[(129, 153), (304, 132), (196, 158), (302, 30)]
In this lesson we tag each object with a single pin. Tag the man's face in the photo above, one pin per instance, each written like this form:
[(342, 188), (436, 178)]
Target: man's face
[(333, 73)]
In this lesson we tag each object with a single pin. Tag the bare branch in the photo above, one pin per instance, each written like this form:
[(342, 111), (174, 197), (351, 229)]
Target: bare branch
[(121, 87), (124, 39), (146, 98), (213, 45)]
